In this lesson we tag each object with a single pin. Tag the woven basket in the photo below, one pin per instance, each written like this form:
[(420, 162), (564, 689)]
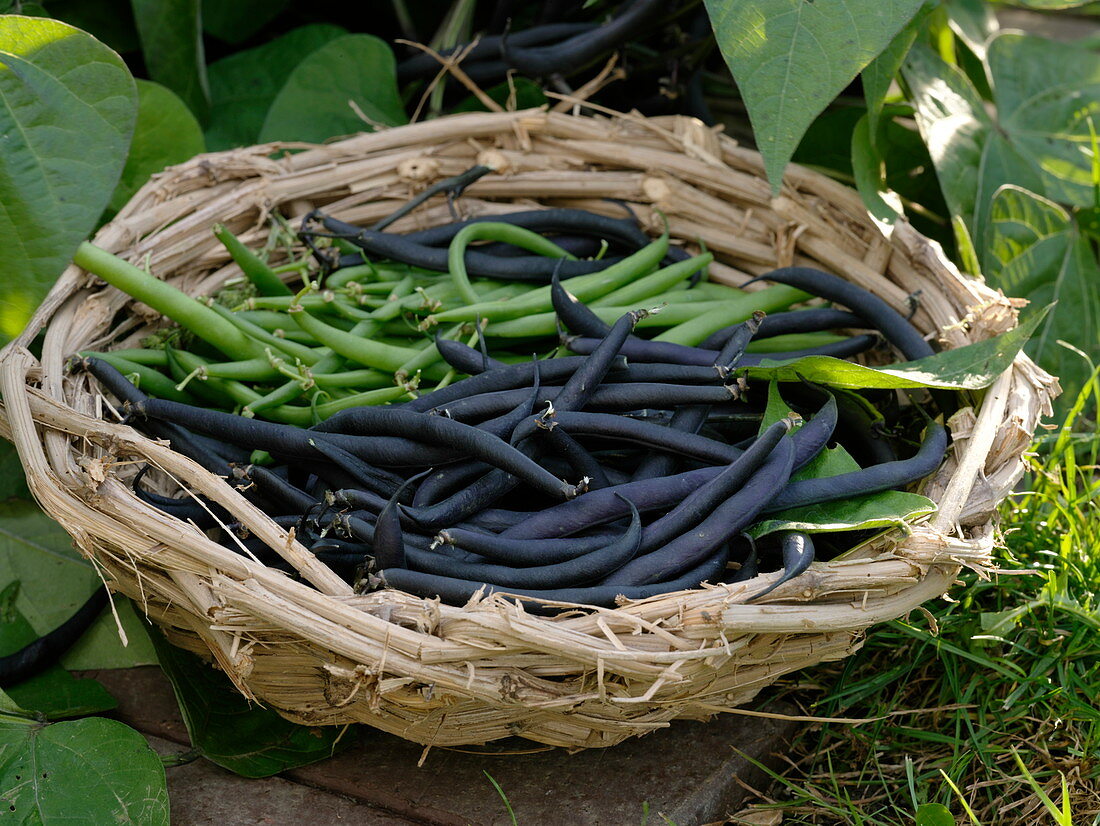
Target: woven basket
[(442, 675)]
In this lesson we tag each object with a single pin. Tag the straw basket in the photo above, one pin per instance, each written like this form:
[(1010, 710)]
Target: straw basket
[(442, 675)]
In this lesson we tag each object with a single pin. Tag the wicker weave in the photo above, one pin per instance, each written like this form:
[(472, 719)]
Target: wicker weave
[(443, 675)]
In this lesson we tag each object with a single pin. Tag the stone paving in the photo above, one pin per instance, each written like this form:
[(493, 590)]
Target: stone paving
[(688, 773)]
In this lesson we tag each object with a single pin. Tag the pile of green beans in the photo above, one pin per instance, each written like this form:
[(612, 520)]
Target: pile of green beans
[(573, 440), (297, 343)]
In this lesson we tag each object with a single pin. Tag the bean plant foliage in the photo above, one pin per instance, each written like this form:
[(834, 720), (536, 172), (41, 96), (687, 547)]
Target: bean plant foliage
[(983, 139)]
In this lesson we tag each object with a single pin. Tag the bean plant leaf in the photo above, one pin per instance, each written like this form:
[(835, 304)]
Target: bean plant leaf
[(13, 482), (166, 133), (82, 771), (243, 85), (53, 692), (974, 22), (237, 21), (965, 368), (790, 58), (346, 86), (55, 580), (880, 72), (67, 106), (1037, 252), (869, 170), (1047, 97), (229, 730), (171, 43)]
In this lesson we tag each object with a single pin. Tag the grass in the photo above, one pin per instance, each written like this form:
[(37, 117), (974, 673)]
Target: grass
[(987, 709)]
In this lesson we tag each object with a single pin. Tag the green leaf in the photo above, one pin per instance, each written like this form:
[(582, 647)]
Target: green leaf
[(1037, 252), (974, 22), (171, 43), (348, 85), (1047, 97), (166, 133), (83, 771), (880, 72), (965, 368), (229, 730), (53, 692), (101, 646), (243, 85), (237, 21), (869, 170), (953, 122), (67, 106), (872, 510), (934, 814), (1047, 92), (56, 580), (13, 481), (790, 58)]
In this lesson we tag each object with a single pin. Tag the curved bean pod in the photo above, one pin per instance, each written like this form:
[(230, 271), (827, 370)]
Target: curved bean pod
[(728, 519), (37, 656), (459, 591), (798, 553), (887, 476)]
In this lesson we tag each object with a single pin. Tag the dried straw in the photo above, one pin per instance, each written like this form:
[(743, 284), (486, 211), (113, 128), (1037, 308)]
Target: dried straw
[(443, 675)]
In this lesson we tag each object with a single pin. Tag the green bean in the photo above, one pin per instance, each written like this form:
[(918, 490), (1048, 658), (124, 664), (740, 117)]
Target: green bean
[(353, 347), (720, 292), (584, 287), (149, 381), (306, 416), (189, 370), (256, 270), (139, 355), (654, 284), (344, 275), (330, 361), (195, 316), (494, 231), (768, 300), (365, 378), (295, 349), (790, 342)]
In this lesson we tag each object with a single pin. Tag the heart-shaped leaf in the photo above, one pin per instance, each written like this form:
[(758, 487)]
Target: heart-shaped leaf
[(1038, 138), (67, 106), (348, 85), (83, 771), (243, 85), (790, 58)]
